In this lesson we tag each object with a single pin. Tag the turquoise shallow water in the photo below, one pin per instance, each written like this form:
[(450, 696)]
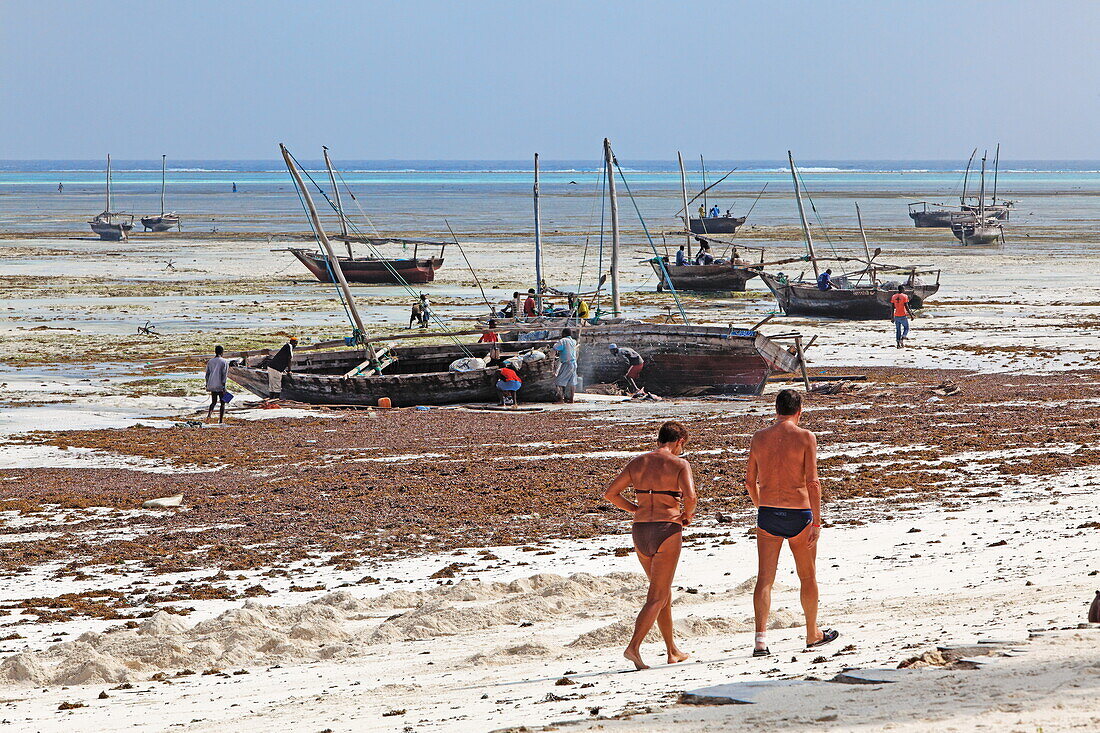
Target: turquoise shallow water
[(494, 196)]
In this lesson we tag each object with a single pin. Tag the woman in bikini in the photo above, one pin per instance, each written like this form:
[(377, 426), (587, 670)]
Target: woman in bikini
[(661, 481)]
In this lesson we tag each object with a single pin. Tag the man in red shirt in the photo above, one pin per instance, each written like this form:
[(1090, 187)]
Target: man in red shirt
[(900, 301), (508, 386), (529, 309)]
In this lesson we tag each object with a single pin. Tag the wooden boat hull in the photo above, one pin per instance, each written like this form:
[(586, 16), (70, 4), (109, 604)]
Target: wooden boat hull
[(110, 232), (947, 218), (316, 378), (372, 271), (802, 299), (726, 276), (717, 225), (974, 234), (682, 360), (160, 223)]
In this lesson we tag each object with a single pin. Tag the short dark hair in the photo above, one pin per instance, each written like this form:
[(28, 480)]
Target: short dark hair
[(788, 402), (530, 290), (567, 333), (218, 350), (830, 271), (901, 288), (492, 323), (515, 295), (671, 432)]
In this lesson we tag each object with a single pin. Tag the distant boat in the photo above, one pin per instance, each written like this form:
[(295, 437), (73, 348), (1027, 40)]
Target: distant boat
[(929, 214), (717, 224), (105, 225), (978, 227), (164, 222)]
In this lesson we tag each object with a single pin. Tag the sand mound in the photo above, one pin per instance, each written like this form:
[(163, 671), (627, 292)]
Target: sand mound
[(508, 654), (618, 633)]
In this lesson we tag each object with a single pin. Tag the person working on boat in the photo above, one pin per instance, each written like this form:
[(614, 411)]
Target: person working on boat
[(681, 256), (782, 482), (583, 310), (530, 310), (566, 347), (702, 212), (217, 371), (825, 280), (491, 337), (715, 212), (508, 386), (902, 314), (661, 480), (279, 365), (635, 364), (704, 257)]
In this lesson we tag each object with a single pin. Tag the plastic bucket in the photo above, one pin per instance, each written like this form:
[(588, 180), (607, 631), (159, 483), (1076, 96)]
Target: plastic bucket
[(384, 402)]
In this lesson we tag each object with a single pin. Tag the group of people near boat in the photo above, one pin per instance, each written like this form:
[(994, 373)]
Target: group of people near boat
[(714, 212), (782, 482), (702, 257)]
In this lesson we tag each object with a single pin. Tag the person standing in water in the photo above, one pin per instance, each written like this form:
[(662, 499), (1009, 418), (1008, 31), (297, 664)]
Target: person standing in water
[(783, 485), (664, 503)]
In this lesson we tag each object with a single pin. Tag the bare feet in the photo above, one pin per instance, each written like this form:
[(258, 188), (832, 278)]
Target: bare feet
[(634, 656), (675, 655)]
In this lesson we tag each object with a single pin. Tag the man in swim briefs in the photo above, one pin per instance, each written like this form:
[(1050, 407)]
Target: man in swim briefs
[(661, 480), (782, 483)]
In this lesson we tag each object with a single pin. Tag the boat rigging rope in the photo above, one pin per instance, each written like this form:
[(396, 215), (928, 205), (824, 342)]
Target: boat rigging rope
[(652, 244), (401, 281), (463, 252)]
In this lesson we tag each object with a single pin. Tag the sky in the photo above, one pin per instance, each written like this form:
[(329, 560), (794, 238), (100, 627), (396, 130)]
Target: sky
[(879, 80)]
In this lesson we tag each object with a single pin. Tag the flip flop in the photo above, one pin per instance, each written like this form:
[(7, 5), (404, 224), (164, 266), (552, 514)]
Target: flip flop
[(828, 635), (765, 652)]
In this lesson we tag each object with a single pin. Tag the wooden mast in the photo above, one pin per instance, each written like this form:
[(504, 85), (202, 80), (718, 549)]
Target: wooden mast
[(703, 167), (966, 176), (996, 169), (981, 194), (339, 204), (163, 163), (866, 249), (538, 240), (684, 193), (609, 159), (108, 209), (802, 215), (315, 221)]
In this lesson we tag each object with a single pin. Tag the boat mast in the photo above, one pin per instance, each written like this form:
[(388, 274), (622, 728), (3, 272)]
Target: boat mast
[(866, 249), (163, 163), (966, 176), (538, 241), (339, 204), (996, 169), (981, 194), (609, 159), (684, 193), (703, 167), (802, 215), (315, 222), (108, 209)]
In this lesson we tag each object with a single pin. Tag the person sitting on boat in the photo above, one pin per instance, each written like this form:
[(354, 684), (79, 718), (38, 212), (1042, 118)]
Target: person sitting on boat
[(635, 364), (279, 365), (529, 307), (508, 386), (512, 308), (681, 256), (583, 311), (825, 281), (729, 214), (704, 256), (491, 337), (715, 212), (566, 380), (782, 278)]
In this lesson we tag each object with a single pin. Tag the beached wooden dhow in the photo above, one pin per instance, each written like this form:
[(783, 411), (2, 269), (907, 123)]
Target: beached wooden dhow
[(863, 293), (111, 227), (163, 222), (372, 269), (978, 227)]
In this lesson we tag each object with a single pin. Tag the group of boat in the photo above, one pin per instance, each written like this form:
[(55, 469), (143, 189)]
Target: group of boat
[(111, 226), (973, 221)]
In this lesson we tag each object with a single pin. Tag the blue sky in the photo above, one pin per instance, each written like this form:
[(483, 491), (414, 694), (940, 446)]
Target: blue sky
[(500, 80)]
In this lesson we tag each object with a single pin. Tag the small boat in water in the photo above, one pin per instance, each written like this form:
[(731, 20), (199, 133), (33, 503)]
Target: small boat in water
[(111, 227), (164, 222), (717, 224), (929, 214)]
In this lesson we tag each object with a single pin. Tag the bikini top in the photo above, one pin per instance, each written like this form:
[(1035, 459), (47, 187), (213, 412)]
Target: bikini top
[(666, 493)]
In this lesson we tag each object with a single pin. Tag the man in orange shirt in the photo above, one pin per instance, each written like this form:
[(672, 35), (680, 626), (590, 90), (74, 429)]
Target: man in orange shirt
[(900, 301)]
